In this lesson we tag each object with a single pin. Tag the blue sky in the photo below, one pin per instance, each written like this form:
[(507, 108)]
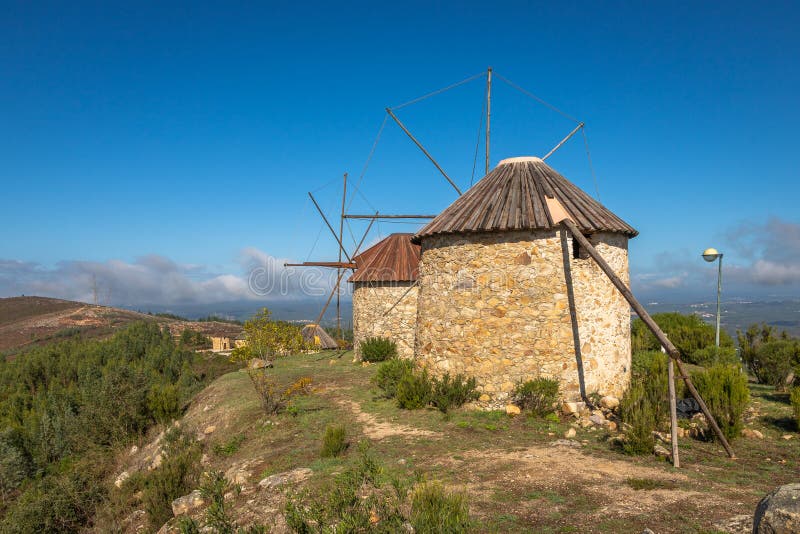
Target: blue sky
[(177, 142)]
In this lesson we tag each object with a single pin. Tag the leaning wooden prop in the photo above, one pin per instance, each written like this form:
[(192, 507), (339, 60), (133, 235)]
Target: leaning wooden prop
[(559, 215)]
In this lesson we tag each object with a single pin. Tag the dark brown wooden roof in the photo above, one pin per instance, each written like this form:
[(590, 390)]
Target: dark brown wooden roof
[(393, 259), (512, 197)]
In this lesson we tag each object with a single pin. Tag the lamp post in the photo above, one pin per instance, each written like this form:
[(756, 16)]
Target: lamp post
[(710, 255)]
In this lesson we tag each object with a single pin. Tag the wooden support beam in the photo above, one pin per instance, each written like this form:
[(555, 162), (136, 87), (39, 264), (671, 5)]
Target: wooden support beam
[(324, 218), (419, 145), (651, 324), (380, 216)]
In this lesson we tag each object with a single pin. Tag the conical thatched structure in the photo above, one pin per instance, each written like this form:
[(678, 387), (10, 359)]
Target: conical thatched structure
[(505, 296), (317, 337), (384, 294)]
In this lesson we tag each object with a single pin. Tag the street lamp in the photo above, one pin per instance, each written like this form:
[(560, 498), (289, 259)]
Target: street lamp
[(710, 255)]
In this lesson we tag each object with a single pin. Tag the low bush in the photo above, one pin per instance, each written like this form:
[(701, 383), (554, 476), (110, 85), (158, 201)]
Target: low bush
[(378, 349), (164, 402), (365, 498), (433, 510), (230, 447), (650, 369), (414, 391), (714, 355), (334, 441), (725, 392), (176, 476), (390, 373), (273, 398), (775, 360), (536, 396), (794, 398), (639, 420), (453, 392)]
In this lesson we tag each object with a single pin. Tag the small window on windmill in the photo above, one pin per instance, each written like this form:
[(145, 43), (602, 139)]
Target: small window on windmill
[(579, 252)]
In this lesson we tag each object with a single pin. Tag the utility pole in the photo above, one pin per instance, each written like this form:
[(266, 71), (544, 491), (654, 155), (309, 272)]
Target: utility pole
[(488, 113), (94, 289)]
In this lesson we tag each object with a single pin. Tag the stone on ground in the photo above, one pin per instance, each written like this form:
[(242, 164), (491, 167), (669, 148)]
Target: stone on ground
[(187, 503), (294, 476), (779, 511)]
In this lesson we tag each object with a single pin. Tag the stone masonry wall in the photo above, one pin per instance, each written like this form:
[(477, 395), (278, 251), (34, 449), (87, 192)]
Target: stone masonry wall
[(371, 300), (496, 306)]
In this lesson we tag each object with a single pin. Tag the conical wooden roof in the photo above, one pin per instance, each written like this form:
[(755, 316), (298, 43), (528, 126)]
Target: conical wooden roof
[(512, 197), (393, 259)]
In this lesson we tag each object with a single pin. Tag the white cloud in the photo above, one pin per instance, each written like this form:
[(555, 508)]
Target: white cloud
[(158, 279)]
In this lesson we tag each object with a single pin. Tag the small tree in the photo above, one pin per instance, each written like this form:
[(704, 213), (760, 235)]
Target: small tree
[(267, 339)]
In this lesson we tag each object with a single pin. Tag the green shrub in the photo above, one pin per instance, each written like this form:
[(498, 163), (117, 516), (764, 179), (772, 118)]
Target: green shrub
[(378, 349), (414, 391), (16, 463), (688, 333), (713, 355), (434, 511), (725, 392), (453, 392), (775, 360), (390, 373), (334, 441), (794, 398), (639, 420), (175, 477), (164, 402), (536, 396), (650, 369), (230, 447)]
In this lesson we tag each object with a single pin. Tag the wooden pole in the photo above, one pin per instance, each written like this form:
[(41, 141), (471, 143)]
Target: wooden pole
[(341, 234), (341, 246), (379, 216), (419, 145), (651, 324), (673, 413), (488, 113), (567, 138), (332, 264), (339, 278)]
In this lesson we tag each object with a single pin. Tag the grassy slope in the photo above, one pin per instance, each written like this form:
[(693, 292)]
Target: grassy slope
[(516, 478)]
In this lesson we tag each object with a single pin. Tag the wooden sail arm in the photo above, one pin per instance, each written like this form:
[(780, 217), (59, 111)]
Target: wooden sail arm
[(381, 216), (332, 264)]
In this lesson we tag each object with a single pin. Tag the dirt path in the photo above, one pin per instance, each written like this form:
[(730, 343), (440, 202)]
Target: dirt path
[(375, 429)]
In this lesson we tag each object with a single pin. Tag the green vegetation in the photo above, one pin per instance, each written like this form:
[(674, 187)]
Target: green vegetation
[(230, 447), (334, 441), (724, 389), (639, 418), (390, 373), (774, 361), (194, 339), (794, 399), (366, 498), (65, 408), (378, 349), (448, 393), (537, 396), (688, 333), (434, 510), (414, 391), (648, 484), (713, 355)]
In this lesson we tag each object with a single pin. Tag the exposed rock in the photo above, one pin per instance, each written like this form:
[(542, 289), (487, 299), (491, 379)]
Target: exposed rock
[(238, 475), (597, 419), (187, 503), (289, 477), (608, 402), (569, 434), (133, 450), (258, 363), (156, 463), (752, 433), (779, 511), (121, 478), (585, 422), (572, 408), (648, 531), (210, 429), (512, 410), (787, 436), (738, 524), (661, 452), (565, 443), (484, 398), (611, 425), (662, 437)]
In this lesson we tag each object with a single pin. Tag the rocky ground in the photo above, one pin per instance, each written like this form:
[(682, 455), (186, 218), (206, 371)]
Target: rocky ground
[(521, 474)]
